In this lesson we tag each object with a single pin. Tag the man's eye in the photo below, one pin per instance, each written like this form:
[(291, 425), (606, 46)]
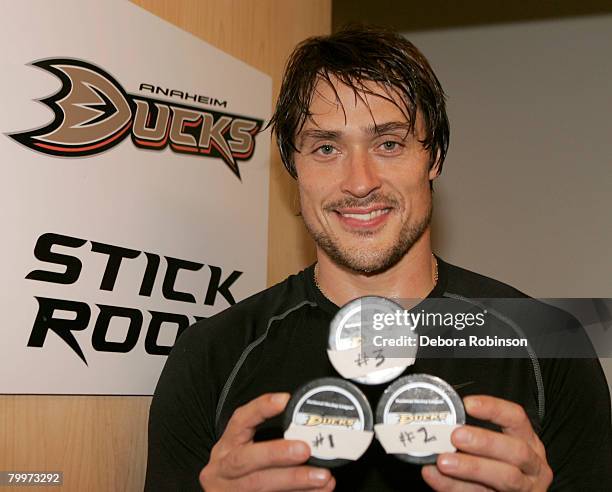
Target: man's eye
[(326, 149), (390, 145)]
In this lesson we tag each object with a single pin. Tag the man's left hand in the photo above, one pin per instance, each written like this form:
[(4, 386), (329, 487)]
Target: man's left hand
[(514, 459)]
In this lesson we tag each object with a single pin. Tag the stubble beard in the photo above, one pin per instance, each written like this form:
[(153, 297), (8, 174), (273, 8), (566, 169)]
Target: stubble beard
[(371, 262)]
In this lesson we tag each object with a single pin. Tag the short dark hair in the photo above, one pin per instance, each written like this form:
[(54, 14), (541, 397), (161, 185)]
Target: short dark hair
[(356, 55)]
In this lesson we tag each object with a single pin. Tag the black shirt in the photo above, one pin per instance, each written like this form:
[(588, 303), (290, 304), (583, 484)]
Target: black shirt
[(276, 341)]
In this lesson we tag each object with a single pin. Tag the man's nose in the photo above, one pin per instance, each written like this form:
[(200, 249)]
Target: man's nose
[(361, 175)]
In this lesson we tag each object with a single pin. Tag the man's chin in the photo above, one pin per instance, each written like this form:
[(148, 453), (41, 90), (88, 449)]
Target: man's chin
[(364, 262), (373, 256)]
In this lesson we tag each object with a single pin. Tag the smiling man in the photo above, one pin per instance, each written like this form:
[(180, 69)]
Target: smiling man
[(364, 181), (361, 124)]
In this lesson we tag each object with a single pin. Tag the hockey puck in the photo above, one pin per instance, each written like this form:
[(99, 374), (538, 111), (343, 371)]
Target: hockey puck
[(352, 332), (333, 417), (418, 403)]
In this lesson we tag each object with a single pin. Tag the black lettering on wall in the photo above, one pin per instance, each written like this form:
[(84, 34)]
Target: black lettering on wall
[(63, 328), (157, 320), (174, 265), (148, 280), (214, 286), (115, 256), (42, 251), (107, 313)]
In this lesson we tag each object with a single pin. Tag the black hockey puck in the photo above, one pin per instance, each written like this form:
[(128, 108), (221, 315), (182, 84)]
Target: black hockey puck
[(325, 409), (353, 327), (416, 400)]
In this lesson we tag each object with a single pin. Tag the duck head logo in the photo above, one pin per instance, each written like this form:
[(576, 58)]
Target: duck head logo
[(92, 113)]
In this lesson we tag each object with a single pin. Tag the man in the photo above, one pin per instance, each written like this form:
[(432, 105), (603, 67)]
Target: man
[(361, 125)]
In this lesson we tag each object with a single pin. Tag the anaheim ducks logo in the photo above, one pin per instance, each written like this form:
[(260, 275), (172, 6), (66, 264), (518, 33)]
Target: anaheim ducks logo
[(92, 113), (314, 419), (412, 418)]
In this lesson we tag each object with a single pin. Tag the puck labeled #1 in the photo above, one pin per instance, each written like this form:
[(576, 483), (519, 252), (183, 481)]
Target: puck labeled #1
[(333, 417), (351, 343), (415, 417)]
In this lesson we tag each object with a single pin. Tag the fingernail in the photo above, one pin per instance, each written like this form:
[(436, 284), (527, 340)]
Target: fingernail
[(471, 403), (298, 449), (280, 398), (318, 475), (463, 435), (448, 461)]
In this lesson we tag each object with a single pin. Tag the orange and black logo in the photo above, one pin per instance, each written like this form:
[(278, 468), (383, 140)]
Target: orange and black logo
[(92, 113)]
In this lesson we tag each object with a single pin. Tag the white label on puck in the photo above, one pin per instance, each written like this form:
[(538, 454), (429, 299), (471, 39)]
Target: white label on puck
[(330, 443), (416, 439), (353, 363)]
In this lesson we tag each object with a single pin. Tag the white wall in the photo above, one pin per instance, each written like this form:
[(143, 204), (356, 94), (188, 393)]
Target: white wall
[(526, 192)]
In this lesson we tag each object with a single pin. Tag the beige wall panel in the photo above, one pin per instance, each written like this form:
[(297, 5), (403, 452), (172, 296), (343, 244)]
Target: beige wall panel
[(100, 442)]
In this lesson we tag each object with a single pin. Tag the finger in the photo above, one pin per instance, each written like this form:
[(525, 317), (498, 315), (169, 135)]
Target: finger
[(508, 415), (442, 483), (497, 446), (331, 485), (269, 454), (491, 473), (282, 479), (241, 426)]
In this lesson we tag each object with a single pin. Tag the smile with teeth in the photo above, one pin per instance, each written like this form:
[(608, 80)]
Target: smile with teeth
[(367, 216)]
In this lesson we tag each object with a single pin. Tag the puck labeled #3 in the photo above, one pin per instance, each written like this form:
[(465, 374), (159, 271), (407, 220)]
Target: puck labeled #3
[(415, 417), (333, 417), (350, 348)]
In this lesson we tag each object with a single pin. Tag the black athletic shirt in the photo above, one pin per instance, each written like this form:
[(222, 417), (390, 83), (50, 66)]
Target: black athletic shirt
[(276, 341)]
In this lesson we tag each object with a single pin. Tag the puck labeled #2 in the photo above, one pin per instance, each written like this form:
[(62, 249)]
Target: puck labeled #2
[(350, 343), (333, 417), (415, 417)]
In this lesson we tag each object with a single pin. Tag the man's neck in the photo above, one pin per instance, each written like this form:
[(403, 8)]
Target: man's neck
[(413, 277)]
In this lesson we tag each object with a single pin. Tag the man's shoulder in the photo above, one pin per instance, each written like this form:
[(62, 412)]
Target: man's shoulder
[(247, 319), (466, 283), (553, 332), (272, 301)]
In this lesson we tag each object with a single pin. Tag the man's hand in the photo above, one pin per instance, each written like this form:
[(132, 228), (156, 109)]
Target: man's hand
[(514, 459), (237, 463)]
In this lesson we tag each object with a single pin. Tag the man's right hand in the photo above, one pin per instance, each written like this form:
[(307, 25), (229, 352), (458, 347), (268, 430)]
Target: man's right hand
[(238, 463)]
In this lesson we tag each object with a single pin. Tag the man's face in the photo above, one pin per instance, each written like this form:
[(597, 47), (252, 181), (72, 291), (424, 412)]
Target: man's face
[(363, 178)]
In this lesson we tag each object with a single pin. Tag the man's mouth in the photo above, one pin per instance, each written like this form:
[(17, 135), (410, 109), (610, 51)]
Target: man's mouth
[(370, 217), (366, 216)]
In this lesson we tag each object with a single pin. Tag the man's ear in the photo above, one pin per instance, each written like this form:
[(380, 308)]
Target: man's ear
[(434, 170)]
